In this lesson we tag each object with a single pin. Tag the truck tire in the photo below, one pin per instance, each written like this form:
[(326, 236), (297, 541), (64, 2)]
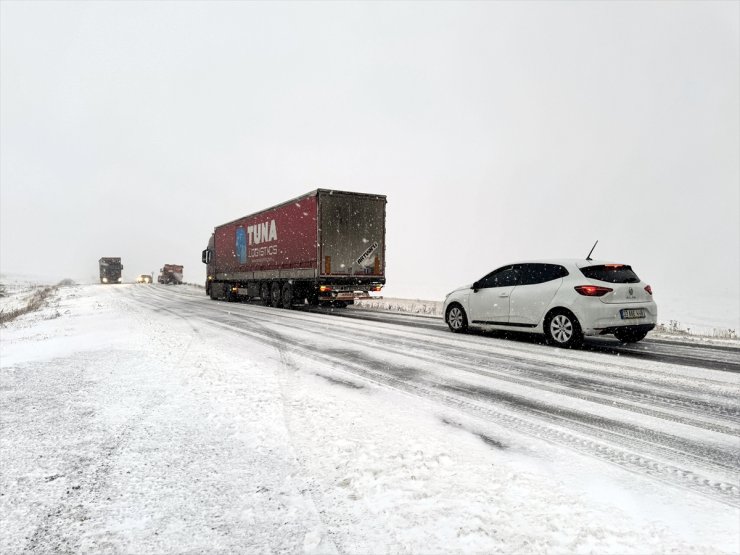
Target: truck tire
[(265, 294), (287, 297), (275, 297), (212, 293)]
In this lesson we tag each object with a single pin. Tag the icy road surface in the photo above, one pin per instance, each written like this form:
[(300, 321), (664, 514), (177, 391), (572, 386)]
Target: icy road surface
[(149, 419)]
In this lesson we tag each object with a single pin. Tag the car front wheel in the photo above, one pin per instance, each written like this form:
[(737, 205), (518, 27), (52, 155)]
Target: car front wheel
[(563, 330), (457, 319)]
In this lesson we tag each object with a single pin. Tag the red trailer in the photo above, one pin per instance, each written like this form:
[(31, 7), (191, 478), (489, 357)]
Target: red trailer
[(323, 247)]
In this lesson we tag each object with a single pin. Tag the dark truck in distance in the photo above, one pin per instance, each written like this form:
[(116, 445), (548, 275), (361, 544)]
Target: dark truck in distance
[(110, 269), (323, 247), (170, 274)]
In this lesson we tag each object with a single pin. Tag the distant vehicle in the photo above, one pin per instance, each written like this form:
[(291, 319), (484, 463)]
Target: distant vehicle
[(144, 278), (170, 274), (110, 269), (563, 299), (323, 247)]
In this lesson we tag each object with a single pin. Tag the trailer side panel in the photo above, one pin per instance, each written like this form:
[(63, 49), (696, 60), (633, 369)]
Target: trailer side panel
[(277, 241)]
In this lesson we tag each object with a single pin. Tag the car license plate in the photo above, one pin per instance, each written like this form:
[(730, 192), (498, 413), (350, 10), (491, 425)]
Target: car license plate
[(628, 313)]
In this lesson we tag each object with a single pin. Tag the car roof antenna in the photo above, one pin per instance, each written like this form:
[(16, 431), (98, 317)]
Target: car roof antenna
[(592, 250)]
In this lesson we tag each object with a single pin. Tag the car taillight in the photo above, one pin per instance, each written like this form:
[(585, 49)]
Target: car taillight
[(377, 288), (323, 288), (592, 290), (649, 289)]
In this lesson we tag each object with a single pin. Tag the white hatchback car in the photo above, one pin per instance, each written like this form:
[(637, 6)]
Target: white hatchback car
[(563, 299)]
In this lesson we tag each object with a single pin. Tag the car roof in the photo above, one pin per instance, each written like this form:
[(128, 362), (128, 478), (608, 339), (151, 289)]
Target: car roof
[(578, 262)]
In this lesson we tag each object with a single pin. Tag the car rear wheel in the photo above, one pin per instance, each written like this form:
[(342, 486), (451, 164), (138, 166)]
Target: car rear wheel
[(630, 336), (563, 330), (456, 318)]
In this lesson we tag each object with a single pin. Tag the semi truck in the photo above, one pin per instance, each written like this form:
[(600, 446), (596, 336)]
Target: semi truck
[(110, 269), (324, 247), (170, 274)]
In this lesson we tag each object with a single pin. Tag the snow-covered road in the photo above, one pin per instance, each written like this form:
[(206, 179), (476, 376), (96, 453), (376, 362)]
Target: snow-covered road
[(150, 418)]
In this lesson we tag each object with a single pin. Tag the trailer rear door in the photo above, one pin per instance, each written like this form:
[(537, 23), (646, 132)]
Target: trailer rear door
[(352, 231)]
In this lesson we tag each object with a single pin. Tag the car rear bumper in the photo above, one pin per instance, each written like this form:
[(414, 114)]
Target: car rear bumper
[(633, 328), (603, 319)]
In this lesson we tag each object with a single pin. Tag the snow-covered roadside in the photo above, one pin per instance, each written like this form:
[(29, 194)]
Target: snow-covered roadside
[(125, 429)]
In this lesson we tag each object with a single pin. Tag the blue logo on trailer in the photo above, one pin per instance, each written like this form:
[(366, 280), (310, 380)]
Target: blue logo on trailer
[(241, 245)]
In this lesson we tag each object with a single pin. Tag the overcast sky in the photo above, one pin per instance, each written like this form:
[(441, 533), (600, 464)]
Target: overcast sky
[(499, 132)]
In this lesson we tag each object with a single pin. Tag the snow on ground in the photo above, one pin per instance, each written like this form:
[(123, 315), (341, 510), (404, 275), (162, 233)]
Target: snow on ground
[(127, 429)]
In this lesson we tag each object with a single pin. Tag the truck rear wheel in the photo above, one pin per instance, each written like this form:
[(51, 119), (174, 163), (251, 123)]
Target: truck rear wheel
[(275, 294), (287, 295), (265, 294)]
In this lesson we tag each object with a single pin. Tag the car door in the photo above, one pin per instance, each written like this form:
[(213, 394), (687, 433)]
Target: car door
[(489, 301), (536, 287)]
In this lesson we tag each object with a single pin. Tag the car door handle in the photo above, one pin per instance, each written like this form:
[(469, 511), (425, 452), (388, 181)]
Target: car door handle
[(503, 295)]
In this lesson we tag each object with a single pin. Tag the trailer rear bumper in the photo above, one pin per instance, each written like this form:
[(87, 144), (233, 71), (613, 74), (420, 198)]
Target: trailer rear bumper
[(343, 296)]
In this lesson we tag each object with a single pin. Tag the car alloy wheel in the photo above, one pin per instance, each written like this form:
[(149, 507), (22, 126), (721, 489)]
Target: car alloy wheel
[(456, 319), (561, 328)]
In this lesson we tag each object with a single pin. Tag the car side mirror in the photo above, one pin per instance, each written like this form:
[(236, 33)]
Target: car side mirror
[(476, 286)]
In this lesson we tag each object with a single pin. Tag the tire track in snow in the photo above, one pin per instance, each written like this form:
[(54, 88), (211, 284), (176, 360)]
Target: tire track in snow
[(583, 386), (400, 378), (715, 357), (726, 492), (287, 362)]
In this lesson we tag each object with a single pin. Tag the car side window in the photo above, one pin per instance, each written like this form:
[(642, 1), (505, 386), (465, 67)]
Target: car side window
[(560, 272), (531, 274), (503, 277)]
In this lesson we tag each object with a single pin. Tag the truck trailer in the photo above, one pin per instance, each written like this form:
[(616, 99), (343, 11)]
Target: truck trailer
[(170, 274), (324, 247), (110, 269)]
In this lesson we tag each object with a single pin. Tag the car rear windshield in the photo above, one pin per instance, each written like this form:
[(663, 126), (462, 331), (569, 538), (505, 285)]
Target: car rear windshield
[(611, 273)]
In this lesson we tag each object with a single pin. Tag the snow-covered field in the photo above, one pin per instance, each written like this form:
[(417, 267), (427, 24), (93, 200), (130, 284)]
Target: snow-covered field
[(137, 419)]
